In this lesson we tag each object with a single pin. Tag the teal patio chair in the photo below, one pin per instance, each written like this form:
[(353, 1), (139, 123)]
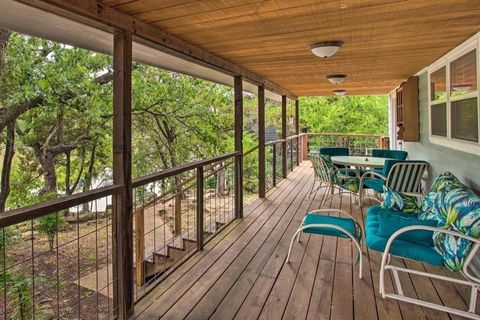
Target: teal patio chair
[(444, 232), (398, 175), (328, 176), (391, 154), (338, 151)]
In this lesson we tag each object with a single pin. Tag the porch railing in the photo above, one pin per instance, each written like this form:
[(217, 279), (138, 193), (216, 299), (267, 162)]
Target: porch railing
[(56, 257), (358, 143), (176, 212)]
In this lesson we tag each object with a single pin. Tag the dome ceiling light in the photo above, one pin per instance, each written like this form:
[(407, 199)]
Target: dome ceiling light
[(336, 78), (340, 92), (326, 49)]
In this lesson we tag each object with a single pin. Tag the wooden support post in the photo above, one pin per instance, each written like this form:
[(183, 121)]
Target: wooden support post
[(122, 175), (305, 146), (274, 164), (139, 246), (297, 130), (178, 210), (284, 136), (238, 96), (261, 142), (200, 208)]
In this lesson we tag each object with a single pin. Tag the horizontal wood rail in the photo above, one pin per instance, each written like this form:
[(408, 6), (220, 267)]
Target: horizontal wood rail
[(167, 173), (367, 135), (275, 142), (38, 210)]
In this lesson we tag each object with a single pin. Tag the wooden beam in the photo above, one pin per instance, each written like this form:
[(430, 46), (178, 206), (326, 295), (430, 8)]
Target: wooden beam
[(122, 175), (107, 18), (284, 136), (238, 105), (297, 129), (261, 142)]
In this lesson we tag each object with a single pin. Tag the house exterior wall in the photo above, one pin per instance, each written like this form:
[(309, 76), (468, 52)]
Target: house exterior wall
[(466, 166)]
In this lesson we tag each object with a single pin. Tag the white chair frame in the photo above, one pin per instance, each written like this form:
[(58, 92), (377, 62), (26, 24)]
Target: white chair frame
[(471, 281), (414, 187), (358, 244)]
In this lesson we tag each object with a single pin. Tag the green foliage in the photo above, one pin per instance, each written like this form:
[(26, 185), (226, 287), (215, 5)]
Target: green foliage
[(358, 114)]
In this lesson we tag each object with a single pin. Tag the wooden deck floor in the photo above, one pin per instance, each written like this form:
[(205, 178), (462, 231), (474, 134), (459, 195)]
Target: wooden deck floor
[(241, 273)]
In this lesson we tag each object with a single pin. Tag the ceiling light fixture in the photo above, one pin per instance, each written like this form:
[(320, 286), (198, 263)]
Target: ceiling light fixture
[(326, 49), (340, 92), (336, 78)]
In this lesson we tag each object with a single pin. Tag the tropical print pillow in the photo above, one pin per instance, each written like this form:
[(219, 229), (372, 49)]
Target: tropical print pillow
[(443, 183), (400, 202), (458, 210)]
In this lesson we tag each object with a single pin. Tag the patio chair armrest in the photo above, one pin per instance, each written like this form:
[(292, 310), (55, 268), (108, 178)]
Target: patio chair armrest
[(471, 254), (371, 174)]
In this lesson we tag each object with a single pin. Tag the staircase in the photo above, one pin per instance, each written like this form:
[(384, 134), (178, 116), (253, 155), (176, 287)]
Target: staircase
[(176, 250)]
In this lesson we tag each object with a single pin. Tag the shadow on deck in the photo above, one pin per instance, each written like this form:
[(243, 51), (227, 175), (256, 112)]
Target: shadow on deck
[(241, 272)]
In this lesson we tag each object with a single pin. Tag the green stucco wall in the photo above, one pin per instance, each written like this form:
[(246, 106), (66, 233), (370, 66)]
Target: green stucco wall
[(466, 166)]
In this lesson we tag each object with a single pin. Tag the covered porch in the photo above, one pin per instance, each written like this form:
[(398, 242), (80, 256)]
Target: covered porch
[(171, 244)]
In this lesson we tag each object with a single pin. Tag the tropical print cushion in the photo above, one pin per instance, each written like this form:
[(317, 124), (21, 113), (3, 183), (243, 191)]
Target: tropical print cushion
[(458, 210), (343, 180), (348, 182), (400, 202), (443, 183)]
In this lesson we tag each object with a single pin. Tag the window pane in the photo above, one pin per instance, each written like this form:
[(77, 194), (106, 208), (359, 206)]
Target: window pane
[(465, 119), (439, 119), (463, 74), (438, 84)]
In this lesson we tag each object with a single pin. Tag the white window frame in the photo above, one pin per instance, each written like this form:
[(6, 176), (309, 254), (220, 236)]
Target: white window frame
[(466, 146)]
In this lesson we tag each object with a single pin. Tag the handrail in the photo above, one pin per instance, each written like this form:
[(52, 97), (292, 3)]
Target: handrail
[(167, 173), (368, 135), (54, 205), (275, 142), (292, 137)]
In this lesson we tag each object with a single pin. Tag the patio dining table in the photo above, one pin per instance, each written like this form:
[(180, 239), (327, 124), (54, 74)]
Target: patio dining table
[(359, 162)]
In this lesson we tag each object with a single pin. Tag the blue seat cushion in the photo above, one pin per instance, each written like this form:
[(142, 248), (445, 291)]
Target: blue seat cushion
[(399, 247), (345, 223), (378, 170), (375, 184), (391, 221)]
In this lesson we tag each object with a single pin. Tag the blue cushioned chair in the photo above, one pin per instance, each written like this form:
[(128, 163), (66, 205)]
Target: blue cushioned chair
[(348, 227), (399, 175), (418, 239), (338, 151), (391, 154)]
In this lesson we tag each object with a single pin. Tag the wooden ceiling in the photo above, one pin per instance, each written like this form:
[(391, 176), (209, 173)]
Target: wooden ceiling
[(385, 40)]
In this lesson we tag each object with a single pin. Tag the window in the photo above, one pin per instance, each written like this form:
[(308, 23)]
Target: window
[(454, 101)]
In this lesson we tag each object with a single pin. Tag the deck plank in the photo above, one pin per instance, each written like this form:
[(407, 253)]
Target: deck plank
[(241, 273)]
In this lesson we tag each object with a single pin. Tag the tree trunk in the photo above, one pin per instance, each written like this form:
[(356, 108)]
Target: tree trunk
[(4, 36), (7, 165), (221, 182), (87, 183), (46, 160)]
